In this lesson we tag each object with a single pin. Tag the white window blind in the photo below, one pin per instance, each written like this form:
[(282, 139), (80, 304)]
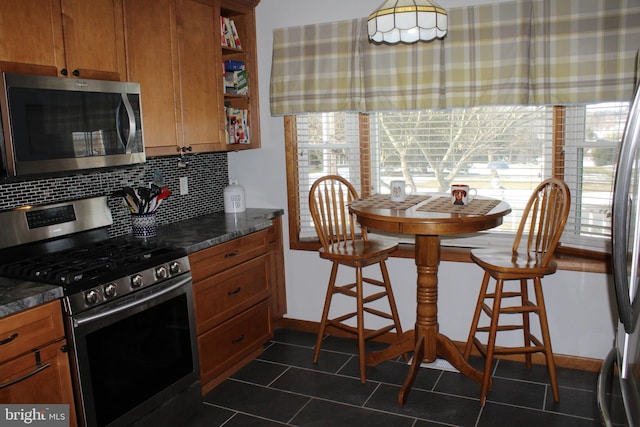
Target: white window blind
[(592, 138), (503, 152), (328, 144)]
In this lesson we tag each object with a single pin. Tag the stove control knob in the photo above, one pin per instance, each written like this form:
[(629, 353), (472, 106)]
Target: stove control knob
[(136, 281), (92, 297), (161, 272), (174, 267), (110, 290)]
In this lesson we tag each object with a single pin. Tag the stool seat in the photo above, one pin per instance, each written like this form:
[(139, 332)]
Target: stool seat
[(505, 263), (368, 251)]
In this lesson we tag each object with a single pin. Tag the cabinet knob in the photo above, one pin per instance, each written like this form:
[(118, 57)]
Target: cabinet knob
[(64, 72), (183, 149), (76, 73)]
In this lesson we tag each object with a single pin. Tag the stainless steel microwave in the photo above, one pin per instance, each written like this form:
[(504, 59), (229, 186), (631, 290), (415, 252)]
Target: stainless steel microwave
[(54, 124)]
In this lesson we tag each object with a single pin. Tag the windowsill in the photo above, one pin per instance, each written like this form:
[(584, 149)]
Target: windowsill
[(567, 258)]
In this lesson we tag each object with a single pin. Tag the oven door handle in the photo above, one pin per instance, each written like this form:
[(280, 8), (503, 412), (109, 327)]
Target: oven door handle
[(79, 321)]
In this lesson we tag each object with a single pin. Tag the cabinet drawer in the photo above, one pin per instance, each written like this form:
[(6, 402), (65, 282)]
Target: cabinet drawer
[(225, 345), (226, 294), (33, 383), (29, 329), (217, 258)]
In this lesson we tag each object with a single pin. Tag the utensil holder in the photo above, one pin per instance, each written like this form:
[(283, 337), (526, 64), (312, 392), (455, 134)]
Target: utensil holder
[(143, 225)]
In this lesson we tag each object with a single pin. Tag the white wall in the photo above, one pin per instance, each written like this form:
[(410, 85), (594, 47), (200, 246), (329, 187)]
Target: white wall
[(578, 303)]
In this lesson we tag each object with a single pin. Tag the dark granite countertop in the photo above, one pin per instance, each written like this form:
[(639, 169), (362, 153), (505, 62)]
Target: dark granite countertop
[(19, 295), (205, 231), (193, 234)]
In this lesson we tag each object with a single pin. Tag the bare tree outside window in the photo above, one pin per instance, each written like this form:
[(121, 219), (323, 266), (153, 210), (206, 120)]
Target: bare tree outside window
[(448, 145)]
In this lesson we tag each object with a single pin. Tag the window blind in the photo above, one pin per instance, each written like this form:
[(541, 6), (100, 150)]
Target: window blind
[(328, 144), (593, 134), (502, 151)]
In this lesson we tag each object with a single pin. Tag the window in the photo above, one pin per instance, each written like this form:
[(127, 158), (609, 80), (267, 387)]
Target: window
[(592, 135), (502, 151)]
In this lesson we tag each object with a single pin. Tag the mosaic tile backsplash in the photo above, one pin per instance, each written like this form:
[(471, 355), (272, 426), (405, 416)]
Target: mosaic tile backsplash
[(207, 175)]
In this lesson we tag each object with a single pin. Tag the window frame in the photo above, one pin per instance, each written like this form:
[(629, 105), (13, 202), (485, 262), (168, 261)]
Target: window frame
[(568, 258)]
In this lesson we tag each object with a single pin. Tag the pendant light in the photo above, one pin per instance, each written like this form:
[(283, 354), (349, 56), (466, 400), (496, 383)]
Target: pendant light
[(407, 21)]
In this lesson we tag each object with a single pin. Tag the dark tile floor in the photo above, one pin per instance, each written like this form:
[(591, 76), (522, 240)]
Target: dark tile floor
[(283, 387)]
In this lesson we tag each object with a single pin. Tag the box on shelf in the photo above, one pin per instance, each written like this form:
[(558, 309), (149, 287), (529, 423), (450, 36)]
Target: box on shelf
[(237, 129), (236, 82), (231, 65)]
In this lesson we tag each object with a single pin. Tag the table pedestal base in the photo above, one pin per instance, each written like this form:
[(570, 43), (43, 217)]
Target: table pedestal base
[(425, 341)]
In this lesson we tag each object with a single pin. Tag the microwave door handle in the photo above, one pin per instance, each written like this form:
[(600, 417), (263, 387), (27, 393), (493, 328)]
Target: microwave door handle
[(132, 123)]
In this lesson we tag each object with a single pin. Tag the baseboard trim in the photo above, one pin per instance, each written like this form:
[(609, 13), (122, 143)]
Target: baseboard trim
[(561, 360)]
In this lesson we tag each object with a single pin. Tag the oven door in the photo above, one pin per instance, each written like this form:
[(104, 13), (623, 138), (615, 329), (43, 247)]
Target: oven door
[(136, 354)]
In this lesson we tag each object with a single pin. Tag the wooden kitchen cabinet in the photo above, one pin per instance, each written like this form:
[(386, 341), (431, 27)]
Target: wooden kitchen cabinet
[(74, 38), (174, 51), (152, 61), (34, 364), (234, 289)]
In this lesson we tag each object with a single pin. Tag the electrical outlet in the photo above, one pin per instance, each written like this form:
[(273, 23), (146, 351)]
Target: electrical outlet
[(184, 185)]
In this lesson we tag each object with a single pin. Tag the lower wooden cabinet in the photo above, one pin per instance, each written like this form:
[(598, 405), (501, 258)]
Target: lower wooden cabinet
[(232, 344), (239, 293), (34, 363)]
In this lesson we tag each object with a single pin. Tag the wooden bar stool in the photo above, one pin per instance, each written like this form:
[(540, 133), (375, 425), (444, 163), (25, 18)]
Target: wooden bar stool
[(345, 242), (543, 220)]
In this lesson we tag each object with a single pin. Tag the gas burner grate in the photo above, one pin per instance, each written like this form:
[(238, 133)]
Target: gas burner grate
[(99, 261)]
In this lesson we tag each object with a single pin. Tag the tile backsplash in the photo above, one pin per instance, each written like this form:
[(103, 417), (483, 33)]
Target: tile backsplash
[(207, 175)]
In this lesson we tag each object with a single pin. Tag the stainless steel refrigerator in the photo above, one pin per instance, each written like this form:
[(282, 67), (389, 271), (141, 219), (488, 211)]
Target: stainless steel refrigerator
[(622, 366)]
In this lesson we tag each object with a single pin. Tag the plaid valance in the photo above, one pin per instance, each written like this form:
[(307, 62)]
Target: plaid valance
[(525, 52)]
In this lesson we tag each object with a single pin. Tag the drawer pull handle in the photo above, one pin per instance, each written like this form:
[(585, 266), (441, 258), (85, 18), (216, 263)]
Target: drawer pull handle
[(40, 367), (235, 291), (237, 340), (231, 254), (9, 339)]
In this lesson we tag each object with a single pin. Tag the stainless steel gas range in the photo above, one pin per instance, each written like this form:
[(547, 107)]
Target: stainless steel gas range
[(128, 308)]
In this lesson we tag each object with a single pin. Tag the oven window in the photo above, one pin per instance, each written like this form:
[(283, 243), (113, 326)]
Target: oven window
[(134, 358)]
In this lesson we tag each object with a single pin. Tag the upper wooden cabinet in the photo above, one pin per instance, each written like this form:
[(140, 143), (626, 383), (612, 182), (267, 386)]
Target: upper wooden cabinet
[(152, 61), (174, 51), (75, 38)]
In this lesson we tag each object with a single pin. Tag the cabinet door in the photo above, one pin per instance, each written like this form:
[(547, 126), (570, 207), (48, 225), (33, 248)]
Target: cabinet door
[(58, 37), (31, 34), (25, 381), (200, 63), (94, 38), (227, 347), (152, 61)]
